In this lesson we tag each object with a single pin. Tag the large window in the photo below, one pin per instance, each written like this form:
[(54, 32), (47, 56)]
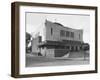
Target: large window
[(79, 36), (51, 31), (66, 34), (62, 33), (72, 34)]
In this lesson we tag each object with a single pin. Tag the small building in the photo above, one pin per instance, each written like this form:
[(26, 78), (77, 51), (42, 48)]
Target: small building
[(57, 40)]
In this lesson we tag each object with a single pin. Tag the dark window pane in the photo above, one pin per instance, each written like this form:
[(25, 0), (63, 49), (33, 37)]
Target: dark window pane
[(67, 33), (72, 34), (51, 31), (62, 33), (79, 36)]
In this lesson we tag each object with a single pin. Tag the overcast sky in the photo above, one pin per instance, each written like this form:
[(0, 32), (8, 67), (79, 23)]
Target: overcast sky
[(35, 21)]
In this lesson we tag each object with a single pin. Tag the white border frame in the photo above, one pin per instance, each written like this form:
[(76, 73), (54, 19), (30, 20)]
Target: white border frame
[(53, 69)]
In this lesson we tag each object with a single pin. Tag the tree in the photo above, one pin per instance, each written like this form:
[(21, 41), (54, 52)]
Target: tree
[(28, 40)]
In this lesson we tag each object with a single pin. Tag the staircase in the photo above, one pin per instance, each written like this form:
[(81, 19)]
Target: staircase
[(60, 52)]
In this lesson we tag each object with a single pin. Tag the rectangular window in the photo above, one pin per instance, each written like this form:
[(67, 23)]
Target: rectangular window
[(62, 33), (40, 39), (72, 34), (67, 33), (51, 31), (79, 36)]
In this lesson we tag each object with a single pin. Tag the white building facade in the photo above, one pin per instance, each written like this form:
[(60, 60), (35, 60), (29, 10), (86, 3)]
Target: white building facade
[(57, 40)]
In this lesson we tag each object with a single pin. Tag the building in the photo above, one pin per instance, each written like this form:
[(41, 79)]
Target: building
[(57, 40)]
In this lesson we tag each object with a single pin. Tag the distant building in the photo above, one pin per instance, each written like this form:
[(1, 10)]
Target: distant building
[(57, 40)]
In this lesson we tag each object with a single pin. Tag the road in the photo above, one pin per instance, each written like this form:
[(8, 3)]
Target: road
[(37, 61)]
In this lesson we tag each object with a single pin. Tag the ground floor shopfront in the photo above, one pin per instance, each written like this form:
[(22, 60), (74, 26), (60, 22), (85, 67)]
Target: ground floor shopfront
[(59, 48)]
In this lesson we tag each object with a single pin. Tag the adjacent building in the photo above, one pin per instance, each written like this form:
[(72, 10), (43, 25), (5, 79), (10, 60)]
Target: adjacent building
[(57, 40)]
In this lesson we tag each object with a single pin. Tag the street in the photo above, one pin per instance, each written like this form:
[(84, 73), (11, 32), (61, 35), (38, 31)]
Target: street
[(37, 61)]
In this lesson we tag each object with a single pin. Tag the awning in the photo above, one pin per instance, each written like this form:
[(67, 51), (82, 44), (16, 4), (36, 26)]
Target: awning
[(59, 43)]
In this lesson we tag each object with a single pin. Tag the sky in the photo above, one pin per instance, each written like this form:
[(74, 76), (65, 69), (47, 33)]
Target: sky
[(35, 22)]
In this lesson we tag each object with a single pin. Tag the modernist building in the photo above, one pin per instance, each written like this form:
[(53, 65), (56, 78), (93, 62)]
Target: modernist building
[(57, 40)]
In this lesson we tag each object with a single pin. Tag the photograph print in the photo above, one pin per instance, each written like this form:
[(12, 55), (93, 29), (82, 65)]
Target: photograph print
[(57, 39), (52, 39)]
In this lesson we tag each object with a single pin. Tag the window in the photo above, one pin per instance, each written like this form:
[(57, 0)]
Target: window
[(51, 31), (72, 34), (40, 39), (62, 33), (79, 36), (67, 47), (67, 33)]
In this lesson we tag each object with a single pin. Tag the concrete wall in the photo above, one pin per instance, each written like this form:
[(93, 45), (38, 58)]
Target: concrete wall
[(56, 28), (35, 43), (48, 52), (54, 35)]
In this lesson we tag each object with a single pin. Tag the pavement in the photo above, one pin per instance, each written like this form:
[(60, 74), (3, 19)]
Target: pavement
[(39, 61)]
